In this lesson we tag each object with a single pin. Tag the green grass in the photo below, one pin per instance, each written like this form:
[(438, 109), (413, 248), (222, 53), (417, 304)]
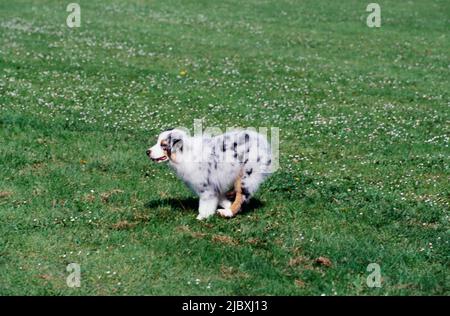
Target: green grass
[(364, 146)]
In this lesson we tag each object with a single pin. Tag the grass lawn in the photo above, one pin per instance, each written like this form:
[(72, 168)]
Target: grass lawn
[(363, 115)]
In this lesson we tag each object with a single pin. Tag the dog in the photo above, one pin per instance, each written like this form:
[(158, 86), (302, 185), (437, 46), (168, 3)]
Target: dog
[(216, 167)]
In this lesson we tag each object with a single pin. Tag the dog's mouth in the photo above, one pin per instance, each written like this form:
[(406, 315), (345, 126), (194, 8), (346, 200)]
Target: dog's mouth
[(160, 159)]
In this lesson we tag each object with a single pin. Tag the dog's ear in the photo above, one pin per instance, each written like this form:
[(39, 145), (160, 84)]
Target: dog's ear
[(176, 142)]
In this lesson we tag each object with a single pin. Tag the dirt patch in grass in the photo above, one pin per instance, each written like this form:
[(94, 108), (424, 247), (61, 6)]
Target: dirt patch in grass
[(186, 230), (5, 194), (299, 261), (141, 217), (299, 283), (122, 225), (224, 239), (256, 241), (324, 261), (46, 277), (231, 272), (89, 197), (105, 196)]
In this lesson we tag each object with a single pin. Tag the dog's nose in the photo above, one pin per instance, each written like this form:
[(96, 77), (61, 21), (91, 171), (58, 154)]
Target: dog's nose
[(148, 152)]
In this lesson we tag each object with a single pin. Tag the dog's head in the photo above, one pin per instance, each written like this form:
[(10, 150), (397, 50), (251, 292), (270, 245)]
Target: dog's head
[(168, 145)]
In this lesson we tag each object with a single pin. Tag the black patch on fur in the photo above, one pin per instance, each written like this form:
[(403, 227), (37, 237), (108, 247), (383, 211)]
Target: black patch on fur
[(215, 164), (259, 158), (247, 138), (249, 172), (235, 155), (205, 185), (269, 161), (234, 146), (245, 192)]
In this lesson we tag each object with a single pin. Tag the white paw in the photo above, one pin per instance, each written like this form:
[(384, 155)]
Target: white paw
[(225, 212), (201, 217), (204, 216), (225, 204)]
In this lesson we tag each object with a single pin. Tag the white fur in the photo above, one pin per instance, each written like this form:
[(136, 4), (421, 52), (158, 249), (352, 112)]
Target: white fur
[(211, 165)]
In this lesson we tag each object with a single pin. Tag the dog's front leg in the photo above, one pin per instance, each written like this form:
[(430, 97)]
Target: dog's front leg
[(207, 207)]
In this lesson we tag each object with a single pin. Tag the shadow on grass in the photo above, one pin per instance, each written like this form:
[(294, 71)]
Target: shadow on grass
[(191, 204)]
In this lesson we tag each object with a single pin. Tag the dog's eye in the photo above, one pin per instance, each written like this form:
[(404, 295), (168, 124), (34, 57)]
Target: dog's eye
[(163, 146)]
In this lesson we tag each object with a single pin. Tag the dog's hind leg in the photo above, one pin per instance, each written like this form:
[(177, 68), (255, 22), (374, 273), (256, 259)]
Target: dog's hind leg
[(224, 202), (235, 207)]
